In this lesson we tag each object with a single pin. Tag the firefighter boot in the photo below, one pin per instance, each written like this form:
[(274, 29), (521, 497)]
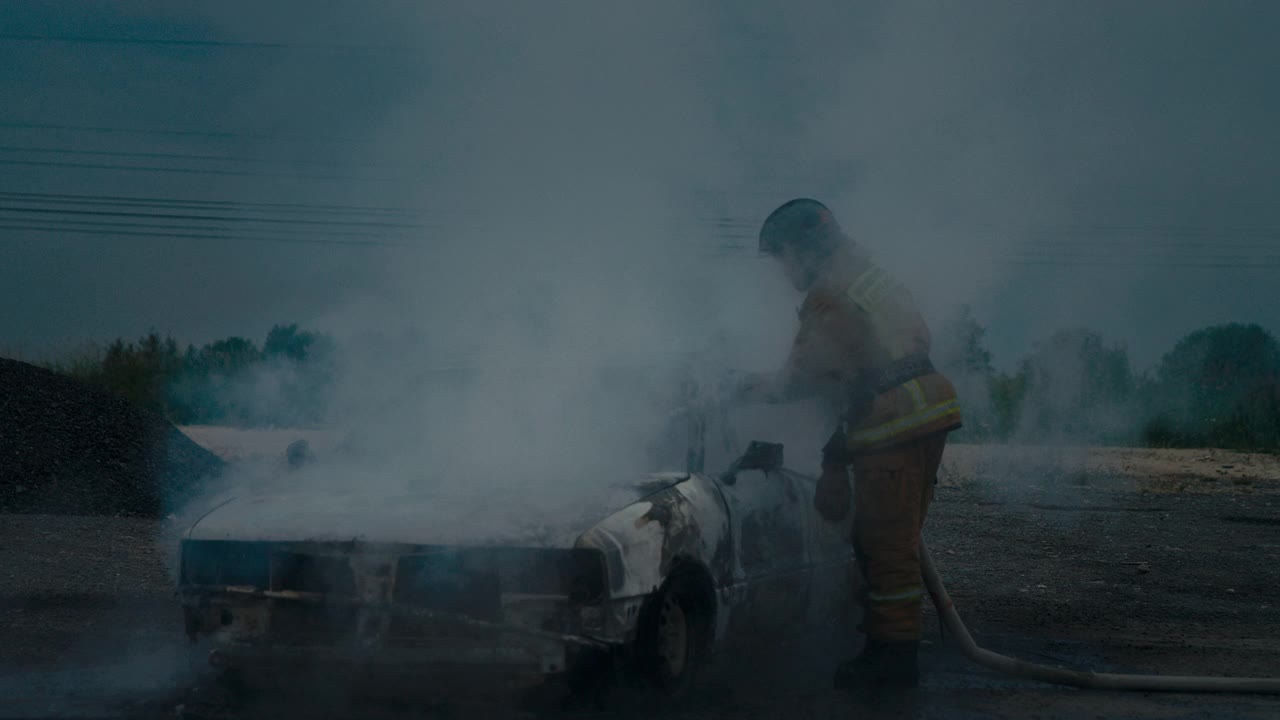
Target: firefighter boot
[(889, 666)]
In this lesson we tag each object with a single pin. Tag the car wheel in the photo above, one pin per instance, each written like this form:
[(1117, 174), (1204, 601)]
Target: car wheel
[(671, 635)]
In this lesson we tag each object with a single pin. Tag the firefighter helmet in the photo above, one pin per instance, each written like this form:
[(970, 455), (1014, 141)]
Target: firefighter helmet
[(801, 224)]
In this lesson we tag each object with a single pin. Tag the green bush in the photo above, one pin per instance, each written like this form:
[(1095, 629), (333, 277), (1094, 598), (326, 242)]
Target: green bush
[(1218, 387), (139, 372), (1007, 393)]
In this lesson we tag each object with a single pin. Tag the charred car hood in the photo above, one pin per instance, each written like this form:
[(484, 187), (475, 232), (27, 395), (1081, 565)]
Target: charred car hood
[(523, 516)]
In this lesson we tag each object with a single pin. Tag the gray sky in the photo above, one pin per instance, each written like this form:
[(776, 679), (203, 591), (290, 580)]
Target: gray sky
[(565, 166)]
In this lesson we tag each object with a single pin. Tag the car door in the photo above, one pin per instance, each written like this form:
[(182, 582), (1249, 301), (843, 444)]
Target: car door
[(834, 578), (770, 587)]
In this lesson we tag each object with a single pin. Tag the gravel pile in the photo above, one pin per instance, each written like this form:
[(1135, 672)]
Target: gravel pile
[(69, 448)]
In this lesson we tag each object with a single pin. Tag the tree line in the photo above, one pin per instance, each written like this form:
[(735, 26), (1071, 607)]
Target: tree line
[(286, 382), (1217, 387)]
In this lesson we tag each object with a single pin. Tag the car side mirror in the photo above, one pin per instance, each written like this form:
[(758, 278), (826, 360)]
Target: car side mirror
[(760, 455)]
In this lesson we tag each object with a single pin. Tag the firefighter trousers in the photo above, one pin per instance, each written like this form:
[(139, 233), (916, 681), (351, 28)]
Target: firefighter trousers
[(892, 490)]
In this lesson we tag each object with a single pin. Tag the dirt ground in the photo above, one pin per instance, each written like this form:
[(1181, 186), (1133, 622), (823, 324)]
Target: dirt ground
[(1120, 560), (239, 445), (1138, 469)]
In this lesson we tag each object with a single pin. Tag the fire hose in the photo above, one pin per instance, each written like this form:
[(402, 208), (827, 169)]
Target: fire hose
[(1078, 678)]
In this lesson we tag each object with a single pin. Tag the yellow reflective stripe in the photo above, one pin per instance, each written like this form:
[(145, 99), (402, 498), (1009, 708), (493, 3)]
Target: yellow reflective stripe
[(869, 275), (871, 293), (879, 289), (910, 422), (870, 288), (914, 592), (917, 395)]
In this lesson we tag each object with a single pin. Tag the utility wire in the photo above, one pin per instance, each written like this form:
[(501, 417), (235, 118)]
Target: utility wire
[(99, 228), (192, 171), (84, 202), (1155, 257), (221, 135), (214, 218), (163, 226), (1104, 229), (203, 205), (324, 47), (1154, 246), (1137, 238), (1153, 250), (1127, 262), (86, 40), (1141, 262), (1143, 265), (209, 236), (185, 156)]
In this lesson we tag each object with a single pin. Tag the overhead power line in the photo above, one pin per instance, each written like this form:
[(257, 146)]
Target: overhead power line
[(1213, 263), (1230, 253), (214, 218), (309, 231), (207, 236), (133, 203), (1137, 230), (202, 205), (1155, 240), (193, 171), (1151, 246), (237, 44), (218, 134), (186, 156), (1136, 261)]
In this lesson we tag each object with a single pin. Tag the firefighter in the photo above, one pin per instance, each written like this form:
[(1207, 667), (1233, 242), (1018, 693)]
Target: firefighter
[(863, 348)]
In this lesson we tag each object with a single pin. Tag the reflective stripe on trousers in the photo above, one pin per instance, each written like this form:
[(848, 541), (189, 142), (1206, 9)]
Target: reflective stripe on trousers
[(892, 491)]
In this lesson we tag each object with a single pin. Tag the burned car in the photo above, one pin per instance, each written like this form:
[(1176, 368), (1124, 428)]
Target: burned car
[(655, 574)]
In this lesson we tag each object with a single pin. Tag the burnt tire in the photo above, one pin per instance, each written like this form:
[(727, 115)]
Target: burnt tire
[(672, 635)]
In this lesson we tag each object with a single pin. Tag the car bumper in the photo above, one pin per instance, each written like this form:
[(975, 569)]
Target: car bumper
[(263, 634), (435, 669)]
